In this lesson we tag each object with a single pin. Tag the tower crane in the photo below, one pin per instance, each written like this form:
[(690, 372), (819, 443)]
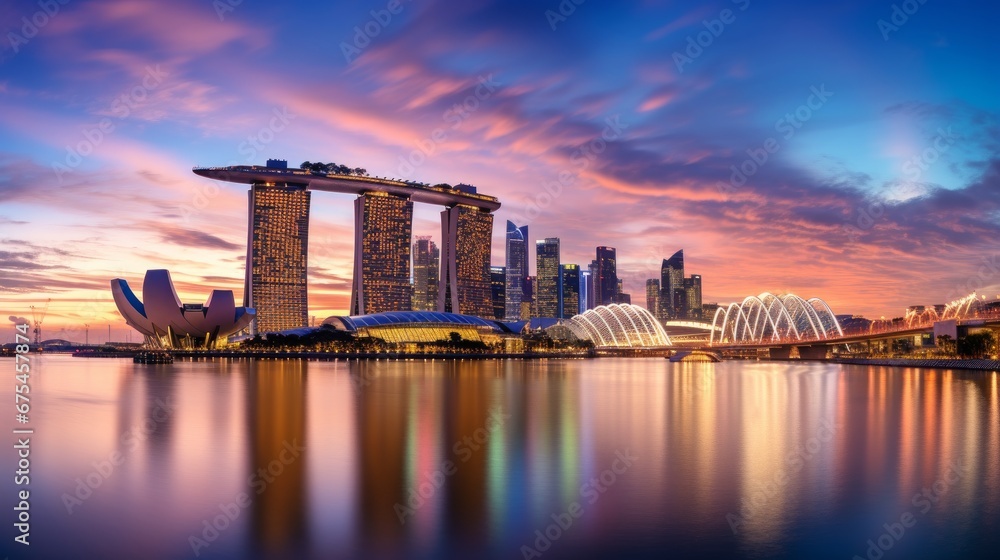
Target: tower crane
[(37, 316)]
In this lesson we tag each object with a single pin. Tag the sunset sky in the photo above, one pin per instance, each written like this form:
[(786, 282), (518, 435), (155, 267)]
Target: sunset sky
[(881, 187)]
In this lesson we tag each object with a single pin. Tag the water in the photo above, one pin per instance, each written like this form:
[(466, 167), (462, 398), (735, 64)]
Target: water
[(613, 458)]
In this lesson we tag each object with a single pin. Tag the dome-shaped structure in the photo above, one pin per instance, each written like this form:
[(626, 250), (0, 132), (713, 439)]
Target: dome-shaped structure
[(167, 322), (619, 326), (770, 317)]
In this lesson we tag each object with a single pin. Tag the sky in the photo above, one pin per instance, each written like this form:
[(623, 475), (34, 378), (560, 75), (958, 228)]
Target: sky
[(841, 150)]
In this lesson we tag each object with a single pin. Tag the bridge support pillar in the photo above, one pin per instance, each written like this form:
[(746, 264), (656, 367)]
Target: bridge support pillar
[(818, 352), (780, 353)]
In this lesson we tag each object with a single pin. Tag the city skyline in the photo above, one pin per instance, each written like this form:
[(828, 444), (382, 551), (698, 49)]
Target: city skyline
[(880, 199)]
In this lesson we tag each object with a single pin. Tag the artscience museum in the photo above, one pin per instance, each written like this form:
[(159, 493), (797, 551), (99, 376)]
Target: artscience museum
[(166, 322)]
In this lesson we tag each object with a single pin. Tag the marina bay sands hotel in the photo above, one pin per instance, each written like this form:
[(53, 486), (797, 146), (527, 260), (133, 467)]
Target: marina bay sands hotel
[(278, 242)]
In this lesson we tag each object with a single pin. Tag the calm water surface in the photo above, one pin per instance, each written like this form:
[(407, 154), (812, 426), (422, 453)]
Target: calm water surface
[(610, 458)]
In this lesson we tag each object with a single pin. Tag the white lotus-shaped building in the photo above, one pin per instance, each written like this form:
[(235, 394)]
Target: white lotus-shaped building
[(619, 326), (167, 322), (770, 317)]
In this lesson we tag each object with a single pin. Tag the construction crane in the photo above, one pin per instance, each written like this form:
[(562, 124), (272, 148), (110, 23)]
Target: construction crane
[(37, 316)]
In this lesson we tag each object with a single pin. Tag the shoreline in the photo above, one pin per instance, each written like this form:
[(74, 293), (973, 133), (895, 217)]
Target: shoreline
[(978, 365)]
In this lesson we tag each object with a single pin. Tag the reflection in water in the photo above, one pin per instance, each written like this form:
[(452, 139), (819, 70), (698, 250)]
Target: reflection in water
[(477, 459), (276, 429)]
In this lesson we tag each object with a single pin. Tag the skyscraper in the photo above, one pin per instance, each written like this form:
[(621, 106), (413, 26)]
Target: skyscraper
[(498, 286), (586, 290), (672, 295), (277, 256), (570, 282), (605, 276), (382, 231), (426, 262), (692, 296), (653, 296), (466, 233), (547, 286), (517, 269), (528, 308)]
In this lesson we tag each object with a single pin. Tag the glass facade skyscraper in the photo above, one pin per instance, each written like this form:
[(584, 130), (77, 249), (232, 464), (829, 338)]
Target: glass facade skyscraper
[(547, 285), (516, 270), (569, 279), (426, 263), (692, 296), (498, 288), (382, 232), (653, 296), (466, 233), (277, 257), (605, 276), (673, 299)]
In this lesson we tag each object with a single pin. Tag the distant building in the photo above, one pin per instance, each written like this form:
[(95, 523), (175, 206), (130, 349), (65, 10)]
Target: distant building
[(426, 263), (586, 290), (467, 235), (653, 296), (673, 299), (528, 308), (692, 294), (620, 295), (570, 282), (517, 269), (277, 255), (605, 276), (708, 311), (382, 232), (547, 286), (498, 286)]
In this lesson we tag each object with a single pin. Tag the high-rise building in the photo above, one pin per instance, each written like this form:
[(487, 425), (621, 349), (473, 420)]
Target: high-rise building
[(466, 233), (277, 257), (547, 286), (426, 263), (569, 279), (692, 295), (517, 269), (605, 276), (528, 308), (653, 296), (498, 287), (672, 296), (586, 290), (382, 231), (620, 295)]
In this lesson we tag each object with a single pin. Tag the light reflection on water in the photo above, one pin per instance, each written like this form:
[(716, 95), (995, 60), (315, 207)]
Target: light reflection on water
[(803, 460)]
